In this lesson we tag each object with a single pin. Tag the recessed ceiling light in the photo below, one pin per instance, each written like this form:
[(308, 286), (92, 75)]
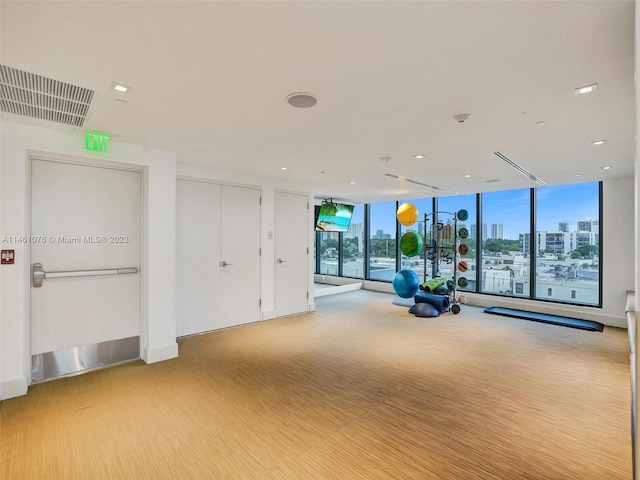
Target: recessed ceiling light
[(284, 168), (541, 122), (492, 181), (577, 174), (418, 156), (598, 142), (467, 175), (352, 183), (586, 89), (606, 167), (301, 100), (121, 88)]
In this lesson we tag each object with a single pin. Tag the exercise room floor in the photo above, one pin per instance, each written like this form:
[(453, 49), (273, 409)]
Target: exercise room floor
[(359, 389)]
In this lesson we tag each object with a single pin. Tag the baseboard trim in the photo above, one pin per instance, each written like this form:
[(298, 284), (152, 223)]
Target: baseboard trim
[(320, 292), (15, 387), (159, 354)]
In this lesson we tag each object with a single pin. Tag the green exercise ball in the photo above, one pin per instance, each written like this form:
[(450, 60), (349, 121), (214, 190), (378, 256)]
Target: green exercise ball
[(411, 244)]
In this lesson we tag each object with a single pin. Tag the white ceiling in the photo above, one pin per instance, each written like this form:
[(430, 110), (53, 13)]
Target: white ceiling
[(210, 79)]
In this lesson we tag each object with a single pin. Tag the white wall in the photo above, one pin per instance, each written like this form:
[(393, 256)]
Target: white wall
[(18, 140), (269, 189)]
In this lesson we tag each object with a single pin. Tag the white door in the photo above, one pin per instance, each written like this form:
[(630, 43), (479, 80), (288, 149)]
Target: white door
[(240, 255), (292, 254), (218, 256), (198, 257), (85, 255)]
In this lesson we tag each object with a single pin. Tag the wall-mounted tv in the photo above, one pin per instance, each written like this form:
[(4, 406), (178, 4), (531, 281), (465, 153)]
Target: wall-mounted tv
[(334, 217)]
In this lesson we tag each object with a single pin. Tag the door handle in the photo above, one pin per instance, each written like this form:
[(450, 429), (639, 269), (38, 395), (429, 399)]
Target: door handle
[(225, 264), (38, 274), (282, 260)]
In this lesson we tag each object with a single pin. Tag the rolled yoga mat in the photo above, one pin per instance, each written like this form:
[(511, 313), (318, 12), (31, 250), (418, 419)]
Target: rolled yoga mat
[(441, 302), (431, 285)]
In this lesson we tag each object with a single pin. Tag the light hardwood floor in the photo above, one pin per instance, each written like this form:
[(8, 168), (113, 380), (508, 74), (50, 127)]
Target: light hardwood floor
[(359, 389)]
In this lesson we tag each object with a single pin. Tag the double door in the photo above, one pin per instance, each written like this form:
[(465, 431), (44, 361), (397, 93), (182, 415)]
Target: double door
[(218, 256)]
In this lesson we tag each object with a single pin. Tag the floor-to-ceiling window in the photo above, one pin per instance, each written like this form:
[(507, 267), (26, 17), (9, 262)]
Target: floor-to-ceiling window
[(353, 245), (567, 243), (554, 256), (329, 252), (382, 241), (503, 231)]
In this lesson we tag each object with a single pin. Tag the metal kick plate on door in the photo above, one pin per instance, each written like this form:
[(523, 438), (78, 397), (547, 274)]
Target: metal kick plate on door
[(74, 360)]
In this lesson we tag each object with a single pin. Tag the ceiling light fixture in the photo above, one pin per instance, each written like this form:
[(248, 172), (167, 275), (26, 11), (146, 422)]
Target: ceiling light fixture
[(352, 183), (586, 89), (284, 168), (418, 156), (606, 167), (598, 142), (541, 123), (121, 88), (301, 100), (467, 175)]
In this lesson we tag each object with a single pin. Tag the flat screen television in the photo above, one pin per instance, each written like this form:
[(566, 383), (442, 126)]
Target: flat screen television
[(334, 217)]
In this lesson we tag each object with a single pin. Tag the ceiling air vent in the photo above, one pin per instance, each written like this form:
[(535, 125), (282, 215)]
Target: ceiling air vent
[(405, 179), (519, 168), (35, 96)]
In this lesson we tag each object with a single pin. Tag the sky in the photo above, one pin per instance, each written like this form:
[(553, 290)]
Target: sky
[(510, 208)]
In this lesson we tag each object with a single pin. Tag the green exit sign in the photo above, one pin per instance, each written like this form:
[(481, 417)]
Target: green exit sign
[(96, 142)]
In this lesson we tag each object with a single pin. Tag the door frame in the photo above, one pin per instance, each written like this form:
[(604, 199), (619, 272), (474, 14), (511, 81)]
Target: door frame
[(221, 183), (90, 162), (311, 306)]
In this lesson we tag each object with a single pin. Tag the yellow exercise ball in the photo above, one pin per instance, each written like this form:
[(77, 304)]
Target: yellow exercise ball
[(407, 214)]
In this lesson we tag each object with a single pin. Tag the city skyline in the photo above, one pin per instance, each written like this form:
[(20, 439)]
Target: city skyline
[(579, 203)]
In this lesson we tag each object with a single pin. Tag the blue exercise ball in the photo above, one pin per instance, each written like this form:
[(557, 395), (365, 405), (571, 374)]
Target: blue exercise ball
[(405, 283)]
